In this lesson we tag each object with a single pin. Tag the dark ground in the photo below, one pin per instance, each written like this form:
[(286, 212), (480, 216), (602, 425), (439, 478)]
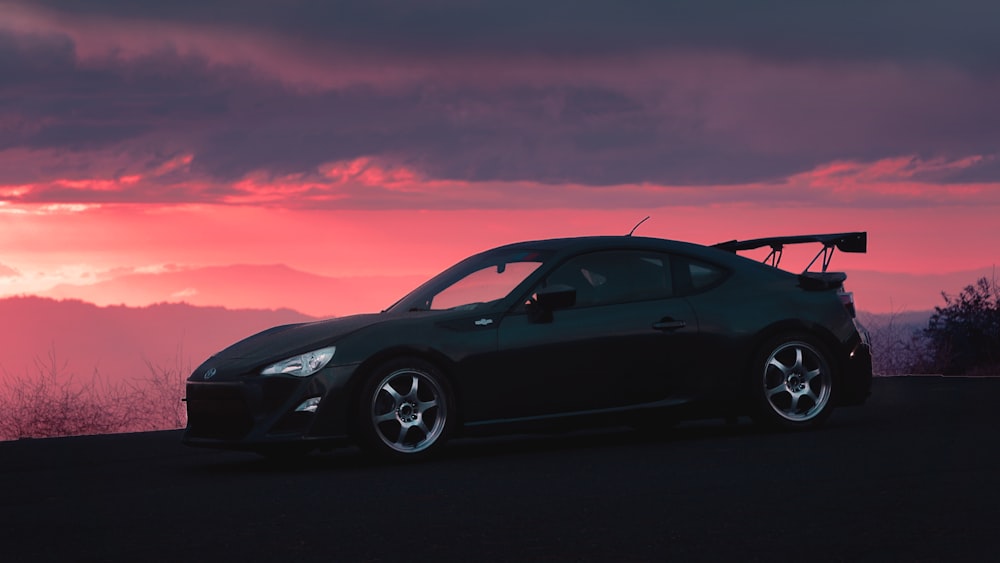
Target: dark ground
[(912, 476)]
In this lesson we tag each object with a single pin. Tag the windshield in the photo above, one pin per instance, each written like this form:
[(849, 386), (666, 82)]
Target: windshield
[(475, 282)]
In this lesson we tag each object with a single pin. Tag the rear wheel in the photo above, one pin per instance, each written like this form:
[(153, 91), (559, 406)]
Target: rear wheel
[(405, 411), (793, 382)]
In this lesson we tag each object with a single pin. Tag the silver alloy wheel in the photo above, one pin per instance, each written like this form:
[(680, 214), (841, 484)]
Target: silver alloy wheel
[(797, 381), (409, 410)]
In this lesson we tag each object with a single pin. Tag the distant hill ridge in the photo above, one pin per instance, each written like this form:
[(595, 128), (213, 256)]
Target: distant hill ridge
[(274, 286), (116, 341), (893, 291), (243, 286)]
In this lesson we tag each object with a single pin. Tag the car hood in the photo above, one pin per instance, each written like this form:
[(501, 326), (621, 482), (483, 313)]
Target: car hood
[(280, 342)]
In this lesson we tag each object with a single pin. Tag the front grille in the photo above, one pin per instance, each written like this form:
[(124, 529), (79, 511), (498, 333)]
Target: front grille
[(276, 392), (216, 411)]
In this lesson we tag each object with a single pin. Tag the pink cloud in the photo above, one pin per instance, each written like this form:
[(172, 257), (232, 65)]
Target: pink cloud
[(8, 272), (705, 116), (180, 163), (102, 40), (371, 183), (896, 182), (365, 171)]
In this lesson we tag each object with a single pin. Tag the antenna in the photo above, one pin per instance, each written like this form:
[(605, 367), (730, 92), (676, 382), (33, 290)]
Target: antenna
[(637, 226)]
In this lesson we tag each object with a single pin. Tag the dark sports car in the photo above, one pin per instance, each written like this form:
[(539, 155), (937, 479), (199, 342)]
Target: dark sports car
[(550, 334)]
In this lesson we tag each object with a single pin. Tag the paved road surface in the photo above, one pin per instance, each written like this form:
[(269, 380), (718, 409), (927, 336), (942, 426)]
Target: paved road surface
[(912, 476)]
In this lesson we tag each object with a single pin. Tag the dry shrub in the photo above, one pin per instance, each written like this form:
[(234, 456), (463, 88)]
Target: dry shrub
[(898, 347), (965, 333), (51, 401)]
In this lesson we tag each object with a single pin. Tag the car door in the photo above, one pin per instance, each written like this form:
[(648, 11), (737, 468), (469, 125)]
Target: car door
[(620, 345)]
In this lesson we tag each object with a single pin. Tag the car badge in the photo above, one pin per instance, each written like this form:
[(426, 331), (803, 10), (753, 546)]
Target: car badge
[(210, 373), (484, 322)]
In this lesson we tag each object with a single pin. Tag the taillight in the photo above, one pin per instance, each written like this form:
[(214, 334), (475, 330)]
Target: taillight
[(847, 298)]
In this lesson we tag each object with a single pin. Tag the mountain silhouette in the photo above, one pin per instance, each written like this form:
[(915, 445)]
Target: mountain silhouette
[(246, 286), (117, 341)]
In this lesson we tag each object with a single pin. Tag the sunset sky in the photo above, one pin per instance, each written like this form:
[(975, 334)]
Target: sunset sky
[(391, 138)]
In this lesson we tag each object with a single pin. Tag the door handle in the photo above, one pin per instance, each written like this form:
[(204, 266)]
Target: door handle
[(669, 324)]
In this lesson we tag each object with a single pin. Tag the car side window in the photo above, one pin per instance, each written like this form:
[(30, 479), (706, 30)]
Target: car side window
[(606, 277), (483, 286), (704, 275), (693, 276)]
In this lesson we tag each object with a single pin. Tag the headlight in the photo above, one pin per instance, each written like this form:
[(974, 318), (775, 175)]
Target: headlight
[(303, 365)]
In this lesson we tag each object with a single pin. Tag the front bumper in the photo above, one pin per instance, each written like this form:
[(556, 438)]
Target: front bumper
[(252, 412)]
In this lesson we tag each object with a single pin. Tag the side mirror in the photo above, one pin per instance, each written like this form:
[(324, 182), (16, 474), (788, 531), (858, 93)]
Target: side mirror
[(556, 297), (549, 299)]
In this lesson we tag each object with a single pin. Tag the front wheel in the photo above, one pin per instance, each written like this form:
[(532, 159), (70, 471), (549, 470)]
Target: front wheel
[(405, 411), (793, 382)]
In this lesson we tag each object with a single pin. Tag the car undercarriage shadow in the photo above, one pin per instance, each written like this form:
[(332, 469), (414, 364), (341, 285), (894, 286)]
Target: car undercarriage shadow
[(475, 448)]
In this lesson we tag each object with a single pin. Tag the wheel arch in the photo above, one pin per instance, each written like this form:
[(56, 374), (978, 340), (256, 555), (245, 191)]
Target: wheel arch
[(823, 336), (367, 368)]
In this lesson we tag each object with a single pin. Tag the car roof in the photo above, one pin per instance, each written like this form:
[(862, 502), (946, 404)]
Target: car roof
[(576, 244)]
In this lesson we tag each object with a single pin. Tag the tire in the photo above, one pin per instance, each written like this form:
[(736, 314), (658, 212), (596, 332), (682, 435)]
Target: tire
[(793, 383), (405, 410)]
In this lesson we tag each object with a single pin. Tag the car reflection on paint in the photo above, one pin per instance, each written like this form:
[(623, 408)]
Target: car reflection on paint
[(560, 333)]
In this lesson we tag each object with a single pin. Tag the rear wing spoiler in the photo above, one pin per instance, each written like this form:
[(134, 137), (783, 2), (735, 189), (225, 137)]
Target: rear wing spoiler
[(845, 242)]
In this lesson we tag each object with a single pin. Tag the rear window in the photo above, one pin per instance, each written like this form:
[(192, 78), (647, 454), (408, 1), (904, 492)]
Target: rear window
[(704, 275), (694, 276)]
